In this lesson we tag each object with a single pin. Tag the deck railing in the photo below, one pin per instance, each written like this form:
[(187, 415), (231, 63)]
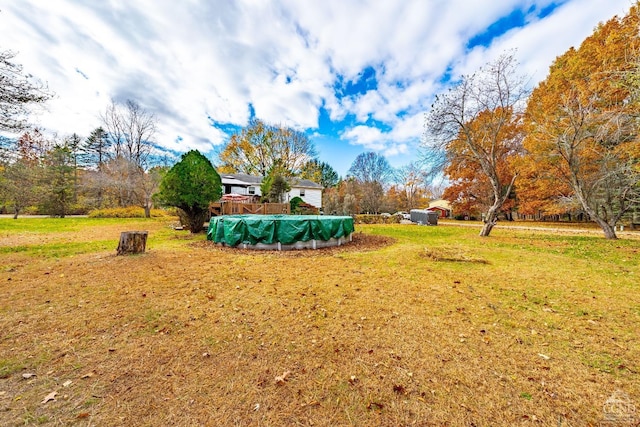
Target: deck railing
[(237, 208)]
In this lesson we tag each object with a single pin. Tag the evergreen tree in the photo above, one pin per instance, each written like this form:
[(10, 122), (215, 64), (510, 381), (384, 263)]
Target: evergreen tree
[(190, 185), (95, 149), (59, 181), (279, 187)]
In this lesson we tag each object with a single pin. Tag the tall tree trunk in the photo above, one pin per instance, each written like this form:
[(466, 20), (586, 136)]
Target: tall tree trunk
[(608, 229), (194, 219), (490, 221), (500, 195)]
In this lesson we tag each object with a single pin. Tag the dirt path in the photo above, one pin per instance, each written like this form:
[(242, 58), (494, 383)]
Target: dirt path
[(591, 231)]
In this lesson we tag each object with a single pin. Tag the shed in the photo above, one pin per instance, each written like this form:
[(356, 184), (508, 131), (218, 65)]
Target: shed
[(443, 207), (422, 216)]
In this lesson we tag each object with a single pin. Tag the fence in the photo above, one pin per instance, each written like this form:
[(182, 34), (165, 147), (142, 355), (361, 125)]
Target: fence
[(236, 208)]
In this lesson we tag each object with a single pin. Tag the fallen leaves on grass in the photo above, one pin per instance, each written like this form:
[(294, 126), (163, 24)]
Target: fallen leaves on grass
[(280, 379), (400, 389), (376, 406), (49, 397), (326, 318), (451, 255), (360, 242)]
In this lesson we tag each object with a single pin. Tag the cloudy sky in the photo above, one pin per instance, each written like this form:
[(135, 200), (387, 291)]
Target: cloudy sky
[(356, 75)]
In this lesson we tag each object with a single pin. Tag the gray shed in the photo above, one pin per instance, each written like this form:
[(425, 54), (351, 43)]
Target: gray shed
[(424, 217)]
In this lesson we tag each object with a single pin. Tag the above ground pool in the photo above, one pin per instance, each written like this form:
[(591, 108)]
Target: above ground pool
[(280, 232)]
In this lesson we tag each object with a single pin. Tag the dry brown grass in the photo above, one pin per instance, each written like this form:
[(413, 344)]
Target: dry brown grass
[(391, 331)]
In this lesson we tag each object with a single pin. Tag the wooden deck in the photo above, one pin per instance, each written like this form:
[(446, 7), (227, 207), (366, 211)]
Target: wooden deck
[(239, 208)]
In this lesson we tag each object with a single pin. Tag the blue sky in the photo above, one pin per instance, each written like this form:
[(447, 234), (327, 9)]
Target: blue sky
[(355, 75)]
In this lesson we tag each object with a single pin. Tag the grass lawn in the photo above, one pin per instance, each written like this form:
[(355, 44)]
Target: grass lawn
[(431, 326)]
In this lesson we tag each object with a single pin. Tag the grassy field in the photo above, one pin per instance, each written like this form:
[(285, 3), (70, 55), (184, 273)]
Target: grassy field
[(426, 326)]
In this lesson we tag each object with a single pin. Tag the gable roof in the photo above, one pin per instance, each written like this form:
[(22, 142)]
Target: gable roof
[(306, 183), (244, 179), (440, 203), (240, 178)]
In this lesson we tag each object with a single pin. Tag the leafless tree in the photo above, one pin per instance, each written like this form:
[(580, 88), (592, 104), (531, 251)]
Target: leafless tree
[(18, 91), (19, 185), (131, 130), (469, 124), (147, 185), (371, 167), (412, 180), (370, 172), (594, 149)]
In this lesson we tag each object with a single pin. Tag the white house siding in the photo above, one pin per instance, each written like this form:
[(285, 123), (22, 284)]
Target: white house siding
[(313, 196), (240, 184), (245, 190)]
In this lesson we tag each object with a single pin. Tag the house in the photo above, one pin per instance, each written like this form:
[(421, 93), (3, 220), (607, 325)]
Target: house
[(249, 185), (442, 206)]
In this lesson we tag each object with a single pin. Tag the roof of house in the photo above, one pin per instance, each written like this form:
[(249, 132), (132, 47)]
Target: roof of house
[(244, 179), (240, 178), (297, 182), (442, 204)]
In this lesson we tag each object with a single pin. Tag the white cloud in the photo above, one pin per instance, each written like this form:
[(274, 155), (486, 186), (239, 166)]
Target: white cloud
[(405, 132), (369, 137), (188, 61)]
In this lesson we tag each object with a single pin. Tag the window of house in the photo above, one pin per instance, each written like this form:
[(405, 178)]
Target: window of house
[(302, 192), (251, 190)]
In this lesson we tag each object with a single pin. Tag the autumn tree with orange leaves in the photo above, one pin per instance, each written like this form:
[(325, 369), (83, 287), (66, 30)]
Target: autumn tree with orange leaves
[(582, 128), (478, 126), (471, 191)]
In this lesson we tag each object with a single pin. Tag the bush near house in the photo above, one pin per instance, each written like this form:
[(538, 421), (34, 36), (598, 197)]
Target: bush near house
[(129, 212), (300, 207), (377, 219)]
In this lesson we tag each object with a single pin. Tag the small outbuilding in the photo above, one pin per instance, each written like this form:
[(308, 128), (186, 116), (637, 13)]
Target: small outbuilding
[(424, 216), (443, 207)]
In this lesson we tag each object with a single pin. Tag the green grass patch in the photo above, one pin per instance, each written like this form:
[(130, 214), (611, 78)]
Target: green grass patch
[(59, 250), (9, 367), (407, 325), (9, 226)]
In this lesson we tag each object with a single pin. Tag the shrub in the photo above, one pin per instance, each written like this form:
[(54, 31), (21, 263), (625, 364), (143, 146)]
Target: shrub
[(31, 210), (190, 185), (128, 212), (377, 219), (294, 203)]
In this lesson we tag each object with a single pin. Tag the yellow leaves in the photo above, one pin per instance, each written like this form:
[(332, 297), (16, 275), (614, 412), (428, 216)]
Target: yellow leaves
[(579, 121), (259, 147)]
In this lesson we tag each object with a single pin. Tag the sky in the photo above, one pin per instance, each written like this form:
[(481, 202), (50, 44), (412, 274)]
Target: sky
[(354, 75)]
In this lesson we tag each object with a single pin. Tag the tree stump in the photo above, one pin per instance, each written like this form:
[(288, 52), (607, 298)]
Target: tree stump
[(132, 242)]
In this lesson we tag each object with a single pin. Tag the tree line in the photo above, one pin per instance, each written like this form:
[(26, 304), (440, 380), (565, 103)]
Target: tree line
[(279, 153), (117, 165), (570, 145)]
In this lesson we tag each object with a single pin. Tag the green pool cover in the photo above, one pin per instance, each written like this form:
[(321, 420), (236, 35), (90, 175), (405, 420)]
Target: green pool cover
[(233, 230)]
